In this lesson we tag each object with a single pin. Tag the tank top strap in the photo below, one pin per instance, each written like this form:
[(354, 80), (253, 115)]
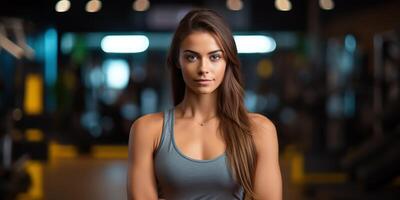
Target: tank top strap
[(166, 137)]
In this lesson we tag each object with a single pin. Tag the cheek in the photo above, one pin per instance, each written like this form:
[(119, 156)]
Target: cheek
[(186, 68), (220, 72), (187, 73)]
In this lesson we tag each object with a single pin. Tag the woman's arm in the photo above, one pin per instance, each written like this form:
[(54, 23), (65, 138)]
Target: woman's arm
[(267, 179), (141, 183)]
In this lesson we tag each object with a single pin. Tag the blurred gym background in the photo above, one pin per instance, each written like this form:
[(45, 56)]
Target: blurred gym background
[(75, 74)]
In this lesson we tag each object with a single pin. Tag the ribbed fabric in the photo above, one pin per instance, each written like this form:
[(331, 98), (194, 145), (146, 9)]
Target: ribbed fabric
[(182, 178)]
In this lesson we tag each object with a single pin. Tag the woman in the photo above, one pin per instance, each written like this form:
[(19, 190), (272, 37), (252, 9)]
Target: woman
[(208, 146)]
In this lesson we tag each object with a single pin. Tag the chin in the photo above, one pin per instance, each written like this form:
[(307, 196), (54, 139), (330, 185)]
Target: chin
[(203, 90), (207, 91)]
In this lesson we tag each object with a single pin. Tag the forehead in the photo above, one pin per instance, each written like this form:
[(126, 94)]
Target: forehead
[(201, 42)]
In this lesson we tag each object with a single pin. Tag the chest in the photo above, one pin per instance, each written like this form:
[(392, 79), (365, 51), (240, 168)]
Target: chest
[(198, 142), (182, 178)]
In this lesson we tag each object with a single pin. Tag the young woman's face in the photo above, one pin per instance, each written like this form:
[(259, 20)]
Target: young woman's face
[(202, 62)]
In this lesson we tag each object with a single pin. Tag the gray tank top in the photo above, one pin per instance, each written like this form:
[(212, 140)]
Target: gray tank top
[(180, 177)]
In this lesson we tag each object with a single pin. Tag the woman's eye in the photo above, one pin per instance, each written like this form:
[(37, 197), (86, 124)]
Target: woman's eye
[(215, 57), (191, 58)]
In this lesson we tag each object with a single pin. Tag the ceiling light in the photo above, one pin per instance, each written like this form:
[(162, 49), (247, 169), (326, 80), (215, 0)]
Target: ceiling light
[(283, 5), (63, 6), (124, 43), (235, 5), (326, 4), (254, 44), (141, 5), (93, 6)]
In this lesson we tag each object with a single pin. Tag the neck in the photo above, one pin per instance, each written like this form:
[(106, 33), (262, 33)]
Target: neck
[(198, 106)]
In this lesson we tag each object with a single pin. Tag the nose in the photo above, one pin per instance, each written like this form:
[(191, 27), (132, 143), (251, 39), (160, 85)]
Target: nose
[(203, 67)]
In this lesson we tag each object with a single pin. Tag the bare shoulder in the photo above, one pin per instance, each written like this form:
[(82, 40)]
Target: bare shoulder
[(147, 129), (261, 124), (263, 131), (148, 120)]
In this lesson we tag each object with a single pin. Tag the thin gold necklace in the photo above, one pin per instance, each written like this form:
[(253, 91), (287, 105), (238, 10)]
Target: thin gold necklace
[(205, 122)]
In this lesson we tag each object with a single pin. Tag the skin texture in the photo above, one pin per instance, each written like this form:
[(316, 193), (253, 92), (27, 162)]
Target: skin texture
[(200, 58)]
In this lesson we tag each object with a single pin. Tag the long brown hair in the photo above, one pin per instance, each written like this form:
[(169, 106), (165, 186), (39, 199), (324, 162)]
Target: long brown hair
[(234, 121)]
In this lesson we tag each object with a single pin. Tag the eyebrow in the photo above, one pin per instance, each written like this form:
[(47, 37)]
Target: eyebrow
[(211, 52)]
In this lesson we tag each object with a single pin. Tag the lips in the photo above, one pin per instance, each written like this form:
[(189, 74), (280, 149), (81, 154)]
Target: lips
[(203, 81)]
